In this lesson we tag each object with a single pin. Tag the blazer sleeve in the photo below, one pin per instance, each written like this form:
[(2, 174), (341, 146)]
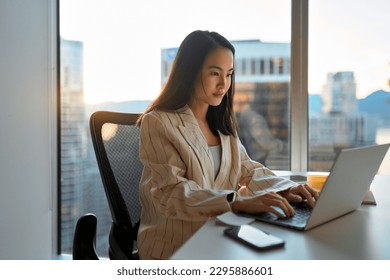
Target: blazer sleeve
[(258, 178), (164, 180)]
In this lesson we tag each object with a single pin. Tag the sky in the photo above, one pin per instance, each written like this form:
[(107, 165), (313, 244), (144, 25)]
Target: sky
[(123, 38)]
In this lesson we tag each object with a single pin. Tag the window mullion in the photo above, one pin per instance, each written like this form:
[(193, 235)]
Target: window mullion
[(299, 85)]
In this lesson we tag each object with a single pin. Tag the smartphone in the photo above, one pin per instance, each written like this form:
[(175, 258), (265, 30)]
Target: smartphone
[(254, 237)]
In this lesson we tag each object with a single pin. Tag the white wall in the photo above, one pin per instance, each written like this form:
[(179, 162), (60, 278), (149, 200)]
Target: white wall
[(27, 129)]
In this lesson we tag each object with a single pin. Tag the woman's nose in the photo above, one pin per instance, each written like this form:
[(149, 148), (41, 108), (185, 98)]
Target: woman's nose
[(222, 84)]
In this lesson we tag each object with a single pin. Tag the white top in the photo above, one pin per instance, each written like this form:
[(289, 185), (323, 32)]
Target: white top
[(216, 152)]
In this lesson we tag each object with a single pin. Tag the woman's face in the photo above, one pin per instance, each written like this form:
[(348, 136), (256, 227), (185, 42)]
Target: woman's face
[(214, 79)]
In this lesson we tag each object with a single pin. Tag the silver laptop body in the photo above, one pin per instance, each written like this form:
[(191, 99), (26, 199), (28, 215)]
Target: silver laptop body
[(343, 192)]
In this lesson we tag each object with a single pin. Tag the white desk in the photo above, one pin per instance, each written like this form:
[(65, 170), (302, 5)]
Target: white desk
[(362, 234)]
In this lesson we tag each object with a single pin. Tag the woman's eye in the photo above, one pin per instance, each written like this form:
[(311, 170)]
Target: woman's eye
[(215, 73)]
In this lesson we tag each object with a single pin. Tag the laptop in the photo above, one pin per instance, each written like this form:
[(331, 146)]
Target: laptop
[(343, 192)]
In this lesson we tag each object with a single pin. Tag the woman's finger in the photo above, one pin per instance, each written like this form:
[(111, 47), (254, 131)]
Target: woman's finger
[(280, 202), (305, 192)]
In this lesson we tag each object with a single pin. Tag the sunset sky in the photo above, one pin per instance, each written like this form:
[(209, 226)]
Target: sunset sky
[(123, 39)]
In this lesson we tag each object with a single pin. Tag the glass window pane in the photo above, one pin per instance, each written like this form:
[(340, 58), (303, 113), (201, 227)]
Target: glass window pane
[(349, 71), (116, 55)]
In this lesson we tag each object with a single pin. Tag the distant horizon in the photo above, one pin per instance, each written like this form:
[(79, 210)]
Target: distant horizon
[(115, 50), (148, 100)]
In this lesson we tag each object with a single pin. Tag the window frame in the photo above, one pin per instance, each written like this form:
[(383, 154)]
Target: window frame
[(299, 116)]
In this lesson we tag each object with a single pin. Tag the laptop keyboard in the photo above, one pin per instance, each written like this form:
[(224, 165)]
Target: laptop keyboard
[(302, 212)]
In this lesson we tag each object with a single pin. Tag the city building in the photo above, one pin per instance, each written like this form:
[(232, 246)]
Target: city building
[(339, 94), (73, 141), (81, 185), (339, 124)]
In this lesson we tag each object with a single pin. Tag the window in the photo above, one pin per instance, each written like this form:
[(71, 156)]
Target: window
[(348, 86), (271, 66), (243, 67), (347, 105), (120, 57), (349, 70), (280, 66), (253, 66), (262, 67)]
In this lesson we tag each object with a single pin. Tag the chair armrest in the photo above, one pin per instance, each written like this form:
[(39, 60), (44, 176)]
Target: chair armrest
[(84, 246)]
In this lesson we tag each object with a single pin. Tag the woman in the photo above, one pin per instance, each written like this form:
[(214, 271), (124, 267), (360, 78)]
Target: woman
[(194, 164)]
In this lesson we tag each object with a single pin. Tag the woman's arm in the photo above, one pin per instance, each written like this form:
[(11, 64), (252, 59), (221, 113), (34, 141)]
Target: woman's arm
[(259, 179)]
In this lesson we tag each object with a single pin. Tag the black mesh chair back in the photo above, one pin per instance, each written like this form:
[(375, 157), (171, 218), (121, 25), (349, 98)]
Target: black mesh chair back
[(115, 139)]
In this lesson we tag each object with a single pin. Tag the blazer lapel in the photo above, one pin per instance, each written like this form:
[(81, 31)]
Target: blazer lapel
[(194, 137)]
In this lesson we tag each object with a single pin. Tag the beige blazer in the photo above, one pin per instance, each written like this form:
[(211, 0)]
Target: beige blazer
[(178, 190)]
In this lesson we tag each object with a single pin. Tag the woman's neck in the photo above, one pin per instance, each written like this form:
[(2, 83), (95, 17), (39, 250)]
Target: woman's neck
[(199, 111)]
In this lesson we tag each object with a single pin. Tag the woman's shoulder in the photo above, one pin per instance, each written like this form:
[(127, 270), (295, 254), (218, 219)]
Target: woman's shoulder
[(171, 116)]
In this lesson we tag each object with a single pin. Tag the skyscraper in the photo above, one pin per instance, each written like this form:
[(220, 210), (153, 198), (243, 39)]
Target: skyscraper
[(339, 94), (340, 125), (73, 144), (81, 185)]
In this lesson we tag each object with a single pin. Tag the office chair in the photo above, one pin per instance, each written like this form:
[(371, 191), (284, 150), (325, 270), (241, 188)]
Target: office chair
[(115, 139)]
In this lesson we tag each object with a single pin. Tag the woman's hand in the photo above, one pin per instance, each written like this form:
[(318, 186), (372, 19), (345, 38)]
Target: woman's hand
[(257, 204), (299, 193)]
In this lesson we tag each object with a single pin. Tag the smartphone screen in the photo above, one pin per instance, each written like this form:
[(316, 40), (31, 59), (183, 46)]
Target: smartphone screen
[(254, 237)]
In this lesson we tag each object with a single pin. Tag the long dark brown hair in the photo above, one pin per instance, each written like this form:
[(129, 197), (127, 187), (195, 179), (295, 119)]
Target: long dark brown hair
[(179, 88)]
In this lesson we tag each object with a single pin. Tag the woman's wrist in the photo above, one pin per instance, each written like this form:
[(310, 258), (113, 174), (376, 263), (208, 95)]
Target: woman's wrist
[(235, 206)]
